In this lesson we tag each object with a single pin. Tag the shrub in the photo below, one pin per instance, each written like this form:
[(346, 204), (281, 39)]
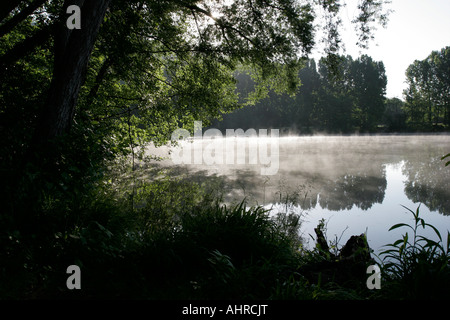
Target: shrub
[(416, 267), (238, 252)]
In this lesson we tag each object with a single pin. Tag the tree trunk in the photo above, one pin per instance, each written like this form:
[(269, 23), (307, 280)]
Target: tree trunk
[(71, 56)]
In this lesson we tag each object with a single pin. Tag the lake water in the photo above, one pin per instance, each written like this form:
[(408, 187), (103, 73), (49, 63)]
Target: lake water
[(358, 184)]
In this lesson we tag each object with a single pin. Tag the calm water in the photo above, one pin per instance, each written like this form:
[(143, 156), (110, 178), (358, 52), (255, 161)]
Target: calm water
[(358, 184)]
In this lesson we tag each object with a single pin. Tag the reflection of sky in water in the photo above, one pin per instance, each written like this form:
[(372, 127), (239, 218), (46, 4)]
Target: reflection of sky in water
[(356, 183), (377, 220)]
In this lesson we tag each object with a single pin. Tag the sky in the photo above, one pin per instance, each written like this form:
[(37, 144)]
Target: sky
[(415, 29)]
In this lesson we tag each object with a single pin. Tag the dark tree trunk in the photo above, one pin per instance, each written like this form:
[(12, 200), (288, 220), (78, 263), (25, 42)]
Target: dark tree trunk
[(72, 52), (99, 78)]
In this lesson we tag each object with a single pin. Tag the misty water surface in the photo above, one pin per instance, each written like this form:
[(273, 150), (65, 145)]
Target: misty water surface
[(358, 184)]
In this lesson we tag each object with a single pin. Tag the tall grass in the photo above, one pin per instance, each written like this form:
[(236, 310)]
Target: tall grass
[(416, 267), (237, 252), (173, 239)]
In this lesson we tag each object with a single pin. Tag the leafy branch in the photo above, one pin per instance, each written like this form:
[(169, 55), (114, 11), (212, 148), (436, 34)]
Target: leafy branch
[(446, 156)]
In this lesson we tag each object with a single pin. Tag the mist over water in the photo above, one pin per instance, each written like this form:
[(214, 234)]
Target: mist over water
[(356, 183)]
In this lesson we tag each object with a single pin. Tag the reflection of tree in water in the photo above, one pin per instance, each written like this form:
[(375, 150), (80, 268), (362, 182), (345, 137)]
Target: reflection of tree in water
[(428, 182), (362, 190), (335, 173), (359, 188)]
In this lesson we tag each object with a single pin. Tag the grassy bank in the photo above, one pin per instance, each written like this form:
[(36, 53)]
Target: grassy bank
[(173, 239)]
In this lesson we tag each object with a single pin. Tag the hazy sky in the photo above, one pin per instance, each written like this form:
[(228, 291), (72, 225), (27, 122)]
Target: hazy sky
[(415, 28)]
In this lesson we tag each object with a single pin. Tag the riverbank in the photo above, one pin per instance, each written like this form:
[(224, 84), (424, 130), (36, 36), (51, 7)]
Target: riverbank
[(178, 243), (145, 230)]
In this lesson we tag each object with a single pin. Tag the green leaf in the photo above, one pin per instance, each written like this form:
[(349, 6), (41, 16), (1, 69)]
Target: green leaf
[(429, 242), (422, 222), (389, 251), (408, 209), (402, 248), (417, 213), (435, 230), (446, 156), (448, 242), (398, 225)]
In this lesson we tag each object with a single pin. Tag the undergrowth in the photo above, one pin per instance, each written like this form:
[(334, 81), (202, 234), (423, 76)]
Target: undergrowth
[(173, 238), (416, 267)]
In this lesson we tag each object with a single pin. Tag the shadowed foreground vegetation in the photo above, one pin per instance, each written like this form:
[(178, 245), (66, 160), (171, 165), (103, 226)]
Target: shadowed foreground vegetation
[(172, 239), (73, 101)]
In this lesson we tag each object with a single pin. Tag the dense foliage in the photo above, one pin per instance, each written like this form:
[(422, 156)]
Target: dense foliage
[(348, 99), (428, 93), (351, 98), (415, 266), (77, 105)]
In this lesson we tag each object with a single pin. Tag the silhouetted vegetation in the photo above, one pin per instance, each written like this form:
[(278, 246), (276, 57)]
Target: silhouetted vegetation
[(427, 96), (172, 239), (350, 98), (417, 267), (78, 108), (347, 98)]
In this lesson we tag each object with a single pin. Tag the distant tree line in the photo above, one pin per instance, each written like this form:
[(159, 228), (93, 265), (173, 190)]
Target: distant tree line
[(428, 93), (351, 98)]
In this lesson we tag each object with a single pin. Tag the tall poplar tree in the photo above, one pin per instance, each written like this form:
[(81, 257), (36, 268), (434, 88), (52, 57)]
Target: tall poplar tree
[(428, 93)]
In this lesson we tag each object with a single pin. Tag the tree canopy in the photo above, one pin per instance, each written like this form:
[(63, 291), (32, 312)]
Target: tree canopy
[(428, 92), (73, 99), (348, 98), (154, 65)]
